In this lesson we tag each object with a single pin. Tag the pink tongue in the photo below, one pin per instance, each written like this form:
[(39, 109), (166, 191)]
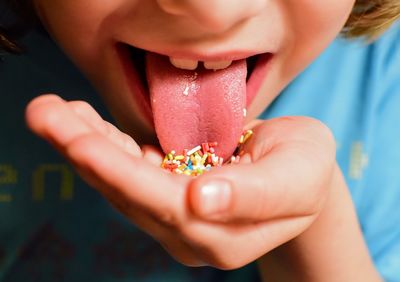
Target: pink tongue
[(193, 107)]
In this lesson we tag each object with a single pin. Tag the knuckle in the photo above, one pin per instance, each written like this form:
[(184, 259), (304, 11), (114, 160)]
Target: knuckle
[(81, 106), (81, 149), (85, 140), (261, 207), (168, 218)]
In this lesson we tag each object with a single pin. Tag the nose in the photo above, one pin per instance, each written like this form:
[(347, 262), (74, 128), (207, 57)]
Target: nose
[(216, 15)]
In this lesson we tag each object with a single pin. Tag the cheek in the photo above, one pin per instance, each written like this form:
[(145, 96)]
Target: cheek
[(312, 25), (310, 17), (309, 27), (78, 26)]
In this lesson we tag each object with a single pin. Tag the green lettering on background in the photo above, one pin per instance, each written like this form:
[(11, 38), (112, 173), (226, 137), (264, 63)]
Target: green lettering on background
[(8, 176), (66, 181)]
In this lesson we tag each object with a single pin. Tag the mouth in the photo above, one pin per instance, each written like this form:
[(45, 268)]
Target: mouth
[(189, 102)]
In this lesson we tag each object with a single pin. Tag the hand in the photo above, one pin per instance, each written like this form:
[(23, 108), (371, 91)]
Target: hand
[(227, 217)]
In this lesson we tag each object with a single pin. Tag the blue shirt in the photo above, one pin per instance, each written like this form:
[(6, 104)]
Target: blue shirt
[(55, 228), (355, 90)]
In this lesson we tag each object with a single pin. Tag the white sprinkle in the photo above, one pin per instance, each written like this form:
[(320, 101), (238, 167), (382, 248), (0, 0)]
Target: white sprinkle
[(244, 112), (194, 150), (186, 91)]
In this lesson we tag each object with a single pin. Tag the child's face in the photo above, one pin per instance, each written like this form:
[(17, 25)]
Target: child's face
[(96, 34)]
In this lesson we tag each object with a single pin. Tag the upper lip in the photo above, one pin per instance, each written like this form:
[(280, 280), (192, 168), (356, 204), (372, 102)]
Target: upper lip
[(206, 55)]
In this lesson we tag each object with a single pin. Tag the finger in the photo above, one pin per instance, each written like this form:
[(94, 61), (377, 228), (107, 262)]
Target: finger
[(58, 121), (93, 119), (242, 243), (153, 155), (132, 181), (143, 184), (51, 118), (289, 180), (165, 235)]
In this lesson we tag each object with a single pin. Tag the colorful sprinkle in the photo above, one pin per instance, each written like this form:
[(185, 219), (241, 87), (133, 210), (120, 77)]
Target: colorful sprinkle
[(201, 158)]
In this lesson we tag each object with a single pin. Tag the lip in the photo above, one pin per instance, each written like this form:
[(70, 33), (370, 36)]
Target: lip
[(208, 56), (138, 84)]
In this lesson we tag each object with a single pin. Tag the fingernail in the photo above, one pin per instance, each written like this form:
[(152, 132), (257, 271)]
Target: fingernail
[(215, 197)]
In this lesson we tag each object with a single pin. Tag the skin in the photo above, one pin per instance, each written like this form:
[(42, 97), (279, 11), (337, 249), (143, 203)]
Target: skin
[(258, 211)]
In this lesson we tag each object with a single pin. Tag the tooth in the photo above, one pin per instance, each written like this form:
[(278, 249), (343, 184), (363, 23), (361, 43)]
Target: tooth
[(184, 63), (217, 65)]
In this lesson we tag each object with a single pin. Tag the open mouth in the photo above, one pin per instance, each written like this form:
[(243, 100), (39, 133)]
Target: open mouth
[(189, 107)]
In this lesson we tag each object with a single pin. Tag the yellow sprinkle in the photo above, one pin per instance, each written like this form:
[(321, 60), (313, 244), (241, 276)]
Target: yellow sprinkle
[(248, 134), (179, 157), (203, 159)]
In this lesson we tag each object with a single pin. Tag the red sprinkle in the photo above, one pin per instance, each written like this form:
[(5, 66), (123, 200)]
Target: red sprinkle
[(205, 147)]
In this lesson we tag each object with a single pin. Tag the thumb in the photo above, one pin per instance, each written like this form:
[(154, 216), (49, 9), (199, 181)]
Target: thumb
[(290, 180)]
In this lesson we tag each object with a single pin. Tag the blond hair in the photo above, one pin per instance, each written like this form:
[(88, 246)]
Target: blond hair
[(369, 19)]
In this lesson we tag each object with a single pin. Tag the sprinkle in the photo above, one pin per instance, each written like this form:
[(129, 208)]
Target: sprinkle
[(192, 151), (244, 112), (186, 91), (213, 144), (196, 161), (204, 158), (180, 157), (205, 148), (247, 135)]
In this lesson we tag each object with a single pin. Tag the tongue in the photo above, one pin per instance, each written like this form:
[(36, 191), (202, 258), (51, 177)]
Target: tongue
[(194, 107)]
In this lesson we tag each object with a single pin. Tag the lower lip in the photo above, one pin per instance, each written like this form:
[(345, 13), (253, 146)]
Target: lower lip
[(141, 95)]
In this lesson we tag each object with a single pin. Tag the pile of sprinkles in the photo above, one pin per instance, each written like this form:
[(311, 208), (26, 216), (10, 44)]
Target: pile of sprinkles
[(201, 158)]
